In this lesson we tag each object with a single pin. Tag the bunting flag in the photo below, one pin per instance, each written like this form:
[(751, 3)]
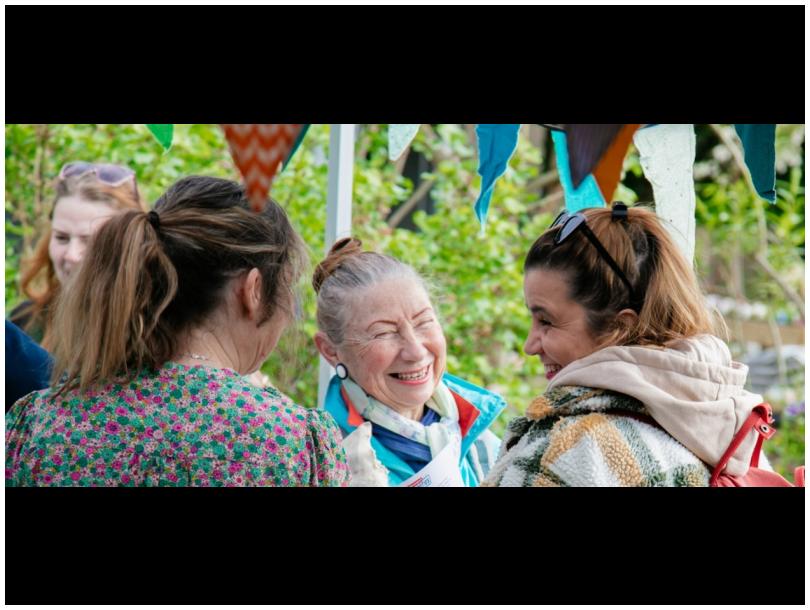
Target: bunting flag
[(667, 157), (295, 145), (163, 133), (258, 150), (587, 195), (399, 137), (759, 145), (609, 169), (587, 143), (496, 145)]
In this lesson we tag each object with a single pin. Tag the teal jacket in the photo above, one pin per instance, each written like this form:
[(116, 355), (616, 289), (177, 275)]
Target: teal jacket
[(477, 407)]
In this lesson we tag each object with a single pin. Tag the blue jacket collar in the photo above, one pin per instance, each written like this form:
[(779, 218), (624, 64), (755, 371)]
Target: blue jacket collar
[(488, 404)]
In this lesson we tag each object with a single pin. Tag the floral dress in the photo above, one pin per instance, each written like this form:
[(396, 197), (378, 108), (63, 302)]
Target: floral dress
[(182, 426)]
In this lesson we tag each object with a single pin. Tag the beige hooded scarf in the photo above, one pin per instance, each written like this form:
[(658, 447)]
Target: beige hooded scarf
[(692, 388)]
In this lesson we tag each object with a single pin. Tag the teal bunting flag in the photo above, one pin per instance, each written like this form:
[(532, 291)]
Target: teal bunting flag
[(758, 142), (587, 195), (295, 145), (496, 145)]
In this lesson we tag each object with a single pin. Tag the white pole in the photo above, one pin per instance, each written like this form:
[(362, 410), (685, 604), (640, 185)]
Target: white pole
[(338, 211)]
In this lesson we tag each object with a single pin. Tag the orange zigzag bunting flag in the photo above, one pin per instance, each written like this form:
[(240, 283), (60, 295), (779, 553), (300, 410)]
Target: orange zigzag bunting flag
[(258, 151)]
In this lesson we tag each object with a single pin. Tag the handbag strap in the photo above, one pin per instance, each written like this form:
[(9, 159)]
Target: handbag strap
[(760, 419)]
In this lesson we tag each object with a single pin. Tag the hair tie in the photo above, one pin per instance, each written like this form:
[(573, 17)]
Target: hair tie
[(619, 211), (153, 219)]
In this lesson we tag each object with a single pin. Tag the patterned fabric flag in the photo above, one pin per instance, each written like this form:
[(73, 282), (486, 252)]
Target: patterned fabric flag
[(667, 156), (587, 195), (587, 143), (496, 145), (258, 150), (399, 136), (760, 156)]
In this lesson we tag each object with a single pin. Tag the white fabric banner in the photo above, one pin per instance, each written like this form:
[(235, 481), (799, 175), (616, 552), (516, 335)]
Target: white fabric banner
[(667, 156)]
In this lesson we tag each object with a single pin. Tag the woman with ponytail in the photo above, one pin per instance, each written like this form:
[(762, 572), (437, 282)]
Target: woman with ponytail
[(169, 311), (642, 393)]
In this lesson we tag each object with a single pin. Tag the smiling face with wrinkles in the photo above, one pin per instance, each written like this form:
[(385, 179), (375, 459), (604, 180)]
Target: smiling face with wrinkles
[(393, 346)]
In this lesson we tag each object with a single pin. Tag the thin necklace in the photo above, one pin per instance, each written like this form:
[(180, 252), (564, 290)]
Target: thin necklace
[(196, 356)]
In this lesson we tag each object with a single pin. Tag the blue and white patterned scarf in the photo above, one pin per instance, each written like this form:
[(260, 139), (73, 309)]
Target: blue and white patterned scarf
[(436, 436)]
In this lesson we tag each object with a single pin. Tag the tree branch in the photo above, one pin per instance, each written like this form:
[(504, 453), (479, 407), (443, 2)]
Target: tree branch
[(365, 142), (547, 202), (42, 134), (403, 159), (787, 290), (403, 210), (739, 161), (470, 129), (736, 153), (544, 180)]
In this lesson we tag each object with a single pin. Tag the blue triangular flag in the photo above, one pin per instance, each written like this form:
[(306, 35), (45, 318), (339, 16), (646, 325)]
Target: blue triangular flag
[(496, 145), (588, 194)]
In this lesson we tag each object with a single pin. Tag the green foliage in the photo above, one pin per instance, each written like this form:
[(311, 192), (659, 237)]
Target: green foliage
[(735, 225), (785, 449), (36, 153)]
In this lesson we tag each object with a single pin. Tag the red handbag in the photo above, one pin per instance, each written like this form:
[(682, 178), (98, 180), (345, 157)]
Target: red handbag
[(760, 419)]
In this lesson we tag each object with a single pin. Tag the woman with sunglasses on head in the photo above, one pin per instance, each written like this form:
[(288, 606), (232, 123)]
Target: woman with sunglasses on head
[(152, 338), (87, 195), (641, 392)]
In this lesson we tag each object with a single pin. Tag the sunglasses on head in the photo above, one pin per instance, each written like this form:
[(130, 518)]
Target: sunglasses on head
[(571, 223), (112, 175)]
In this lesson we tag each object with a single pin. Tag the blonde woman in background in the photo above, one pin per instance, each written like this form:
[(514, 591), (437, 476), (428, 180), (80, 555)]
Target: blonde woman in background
[(87, 196)]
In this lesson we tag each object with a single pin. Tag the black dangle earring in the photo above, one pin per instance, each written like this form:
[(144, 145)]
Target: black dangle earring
[(341, 370)]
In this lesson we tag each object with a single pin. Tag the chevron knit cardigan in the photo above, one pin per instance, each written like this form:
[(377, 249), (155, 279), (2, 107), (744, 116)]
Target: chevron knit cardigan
[(583, 437)]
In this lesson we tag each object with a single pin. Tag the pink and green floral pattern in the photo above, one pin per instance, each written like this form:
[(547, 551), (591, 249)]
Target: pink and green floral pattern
[(181, 426)]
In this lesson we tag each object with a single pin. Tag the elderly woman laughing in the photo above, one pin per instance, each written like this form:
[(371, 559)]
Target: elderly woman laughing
[(405, 420)]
